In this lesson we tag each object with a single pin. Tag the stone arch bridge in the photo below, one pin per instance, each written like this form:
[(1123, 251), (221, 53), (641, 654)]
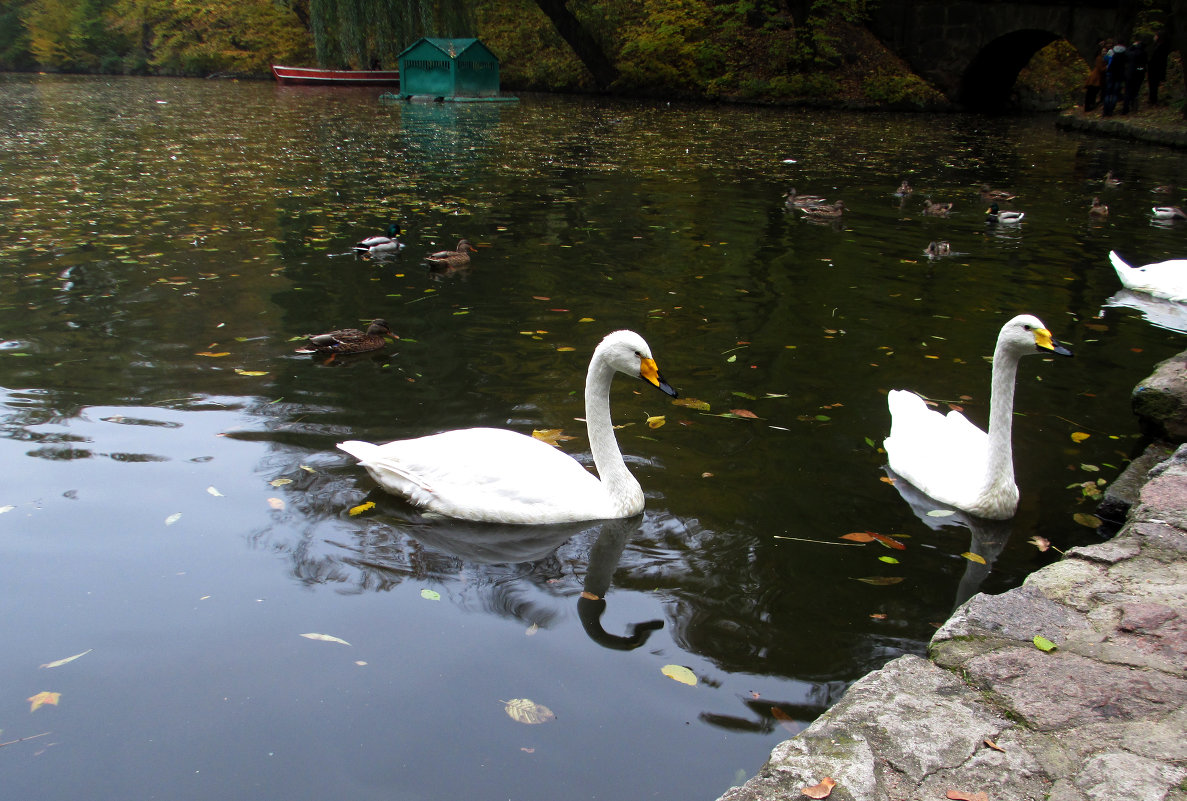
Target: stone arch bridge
[(972, 50)]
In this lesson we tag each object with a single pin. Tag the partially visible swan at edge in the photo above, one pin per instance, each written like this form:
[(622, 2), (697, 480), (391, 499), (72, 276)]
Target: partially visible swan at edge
[(949, 458), (500, 476), (1163, 279)]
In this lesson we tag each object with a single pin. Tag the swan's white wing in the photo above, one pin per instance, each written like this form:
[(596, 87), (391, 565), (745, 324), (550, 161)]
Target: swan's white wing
[(1164, 279), (944, 456), (486, 474)]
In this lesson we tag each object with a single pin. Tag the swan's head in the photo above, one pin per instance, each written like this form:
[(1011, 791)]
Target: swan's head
[(629, 353), (1027, 334)]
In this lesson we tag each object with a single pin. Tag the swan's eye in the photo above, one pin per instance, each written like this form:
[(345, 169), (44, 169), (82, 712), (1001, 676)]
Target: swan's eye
[(1026, 327)]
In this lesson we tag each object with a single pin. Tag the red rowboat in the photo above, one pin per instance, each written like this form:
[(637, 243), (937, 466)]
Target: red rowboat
[(320, 77)]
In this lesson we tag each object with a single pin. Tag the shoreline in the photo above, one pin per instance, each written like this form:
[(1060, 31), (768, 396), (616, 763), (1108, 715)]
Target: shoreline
[(1099, 717)]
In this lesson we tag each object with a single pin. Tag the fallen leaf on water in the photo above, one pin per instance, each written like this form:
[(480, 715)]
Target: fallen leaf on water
[(213, 355), (280, 482), (1087, 520), (325, 638), (308, 469), (566, 349), (8, 508), (785, 720), (656, 421), (276, 503), (251, 372), (430, 595), (888, 480), (586, 320), (881, 581), (890, 560), (41, 699), (525, 710), (679, 673), (589, 596), (173, 518), (744, 413), (1079, 436), (60, 662), (1043, 644), (1040, 542), (889, 542), (821, 790), (532, 630), (362, 507), (974, 557), (858, 536), (214, 492), (553, 436), (961, 795), (691, 403)]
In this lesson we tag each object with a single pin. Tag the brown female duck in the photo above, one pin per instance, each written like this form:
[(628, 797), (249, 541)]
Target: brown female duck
[(348, 340)]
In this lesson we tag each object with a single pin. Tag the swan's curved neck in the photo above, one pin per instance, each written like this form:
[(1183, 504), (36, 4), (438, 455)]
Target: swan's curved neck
[(612, 470), (999, 468)]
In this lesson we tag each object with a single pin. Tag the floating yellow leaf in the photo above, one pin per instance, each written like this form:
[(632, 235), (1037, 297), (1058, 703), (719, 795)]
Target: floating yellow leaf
[(362, 507), (679, 673), (430, 595), (525, 710), (691, 403), (173, 518), (41, 699), (974, 557), (1087, 520), (280, 482), (656, 421), (251, 372), (565, 349), (213, 355), (276, 503), (60, 662), (308, 469), (553, 436), (1079, 436), (325, 638), (586, 320)]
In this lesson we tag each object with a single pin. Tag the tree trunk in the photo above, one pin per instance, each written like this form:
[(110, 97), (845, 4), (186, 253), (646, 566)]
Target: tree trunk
[(583, 44)]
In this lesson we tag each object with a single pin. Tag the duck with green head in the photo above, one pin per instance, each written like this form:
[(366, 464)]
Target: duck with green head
[(381, 244)]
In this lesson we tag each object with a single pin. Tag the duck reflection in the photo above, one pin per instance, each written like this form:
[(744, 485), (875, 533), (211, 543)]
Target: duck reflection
[(988, 537)]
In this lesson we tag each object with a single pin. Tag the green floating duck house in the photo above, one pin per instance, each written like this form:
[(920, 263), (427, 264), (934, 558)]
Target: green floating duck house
[(450, 69)]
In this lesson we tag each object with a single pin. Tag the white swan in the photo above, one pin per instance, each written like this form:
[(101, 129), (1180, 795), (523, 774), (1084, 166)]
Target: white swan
[(950, 459), (1164, 279), (499, 476)]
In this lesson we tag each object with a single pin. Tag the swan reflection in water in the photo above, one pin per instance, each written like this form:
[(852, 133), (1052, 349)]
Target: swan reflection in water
[(987, 537), (1159, 312), (533, 548)]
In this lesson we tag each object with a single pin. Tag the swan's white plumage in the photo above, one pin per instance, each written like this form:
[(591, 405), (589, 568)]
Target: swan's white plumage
[(494, 475), (1164, 279), (950, 459)]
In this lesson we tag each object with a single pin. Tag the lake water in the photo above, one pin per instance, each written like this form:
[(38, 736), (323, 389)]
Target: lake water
[(175, 510)]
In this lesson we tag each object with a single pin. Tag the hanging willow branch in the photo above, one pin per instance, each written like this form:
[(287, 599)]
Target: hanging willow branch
[(367, 34)]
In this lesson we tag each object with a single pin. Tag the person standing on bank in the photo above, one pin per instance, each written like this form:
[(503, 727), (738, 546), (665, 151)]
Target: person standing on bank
[(1156, 68), (1114, 79), (1135, 73), (1096, 77)]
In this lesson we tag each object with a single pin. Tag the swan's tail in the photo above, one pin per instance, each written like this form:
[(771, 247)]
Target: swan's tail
[(1119, 263), (363, 451)]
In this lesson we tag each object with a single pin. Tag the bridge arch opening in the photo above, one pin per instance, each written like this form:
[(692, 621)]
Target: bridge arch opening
[(989, 78)]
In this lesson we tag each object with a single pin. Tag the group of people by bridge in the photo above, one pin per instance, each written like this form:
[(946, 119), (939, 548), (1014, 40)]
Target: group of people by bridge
[(1119, 71)]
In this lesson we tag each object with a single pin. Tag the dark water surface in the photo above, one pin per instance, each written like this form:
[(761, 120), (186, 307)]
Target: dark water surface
[(186, 519)]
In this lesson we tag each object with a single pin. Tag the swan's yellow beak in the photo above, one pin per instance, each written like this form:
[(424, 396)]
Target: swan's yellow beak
[(649, 372), (1044, 341)]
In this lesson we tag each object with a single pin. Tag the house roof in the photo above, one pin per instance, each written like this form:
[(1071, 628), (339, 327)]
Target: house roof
[(449, 47)]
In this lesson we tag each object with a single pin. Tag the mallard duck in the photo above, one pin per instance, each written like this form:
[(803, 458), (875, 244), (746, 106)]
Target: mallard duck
[(947, 457), (996, 215), (452, 258), (348, 340), (936, 209), (825, 211), (1110, 181), (793, 198), (1098, 209), (500, 476), (990, 195), (381, 244), (937, 249), (1168, 213), (1164, 279), (904, 189)]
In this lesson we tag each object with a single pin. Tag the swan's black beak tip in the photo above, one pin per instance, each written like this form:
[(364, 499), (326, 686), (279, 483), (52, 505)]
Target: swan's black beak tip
[(666, 388)]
